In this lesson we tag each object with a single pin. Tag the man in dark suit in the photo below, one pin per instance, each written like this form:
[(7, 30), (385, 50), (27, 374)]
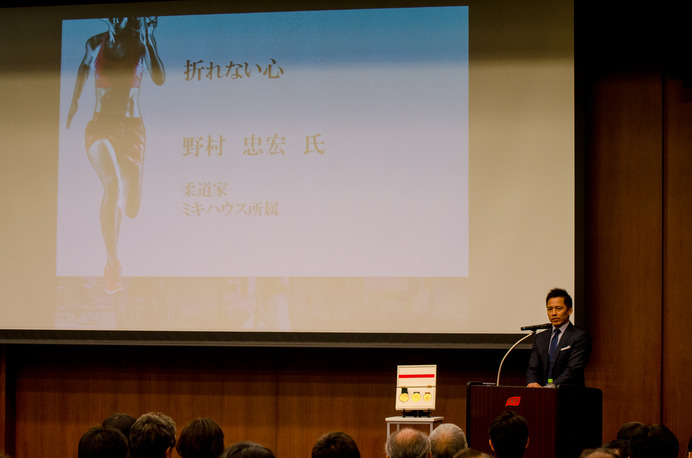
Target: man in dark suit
[(562, 353)]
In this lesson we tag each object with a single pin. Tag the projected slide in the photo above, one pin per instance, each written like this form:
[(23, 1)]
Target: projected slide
[(272, 171)]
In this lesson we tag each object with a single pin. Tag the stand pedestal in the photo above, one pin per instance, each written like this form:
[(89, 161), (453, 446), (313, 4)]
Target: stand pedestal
[(398, 421)]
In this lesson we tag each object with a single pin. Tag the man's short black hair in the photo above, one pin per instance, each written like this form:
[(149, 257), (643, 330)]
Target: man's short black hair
[(120, 421), (559, 292), (100, 442), (626, 430), (655, 441), (247, 449), (509, 434), (335, 445), (152, 435), (201, 438)]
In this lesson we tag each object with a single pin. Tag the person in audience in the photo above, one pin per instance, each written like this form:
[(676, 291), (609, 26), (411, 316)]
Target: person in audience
[(152, 436), (247, 449), (626, 430), (471, 453), (335, 445), (618, 446), (120, 421), (446, 440), (407, 443), (653, 441), (100, 442), (201, 438), (597, 453), (509, 435)]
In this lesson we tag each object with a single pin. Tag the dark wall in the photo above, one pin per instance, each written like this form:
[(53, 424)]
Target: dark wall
[(638, 113)]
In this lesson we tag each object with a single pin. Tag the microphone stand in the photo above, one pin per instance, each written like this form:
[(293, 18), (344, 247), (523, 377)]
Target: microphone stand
[(503, 359)]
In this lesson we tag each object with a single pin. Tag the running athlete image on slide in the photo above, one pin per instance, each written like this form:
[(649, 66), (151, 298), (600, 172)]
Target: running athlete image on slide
[(115, 136)]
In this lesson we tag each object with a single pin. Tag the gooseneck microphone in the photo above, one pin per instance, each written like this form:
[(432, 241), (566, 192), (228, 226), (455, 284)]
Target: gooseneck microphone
[(536, 327), (533, 329)]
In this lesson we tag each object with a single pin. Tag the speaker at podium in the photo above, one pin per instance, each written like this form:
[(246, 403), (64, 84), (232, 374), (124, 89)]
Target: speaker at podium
[(563, 421)]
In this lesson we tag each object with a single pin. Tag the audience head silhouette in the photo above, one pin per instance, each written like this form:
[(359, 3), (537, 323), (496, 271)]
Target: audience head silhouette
[(152, 436), (655, 441), (100, 442), (601, 452), (471, 453), (120, 421), (626, 430), (509, 435), (247, 449), (201, 438), (619, 447), (446, 440), (335, 445), (407, 443)]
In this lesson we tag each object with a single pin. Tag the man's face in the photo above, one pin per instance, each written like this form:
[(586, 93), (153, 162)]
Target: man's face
[(558, 312)]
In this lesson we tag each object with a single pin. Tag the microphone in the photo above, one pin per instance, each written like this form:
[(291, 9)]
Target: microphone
[(533, 330), (536, 327)]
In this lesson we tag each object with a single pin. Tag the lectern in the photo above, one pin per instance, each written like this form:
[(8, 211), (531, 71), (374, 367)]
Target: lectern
[(562, 421)]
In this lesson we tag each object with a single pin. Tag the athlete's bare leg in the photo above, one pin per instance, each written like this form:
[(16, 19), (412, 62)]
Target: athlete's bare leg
[(131, 179), (103, 159)]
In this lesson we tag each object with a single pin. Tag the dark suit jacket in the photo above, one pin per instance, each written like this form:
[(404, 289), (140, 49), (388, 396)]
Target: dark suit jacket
[(573, 353)]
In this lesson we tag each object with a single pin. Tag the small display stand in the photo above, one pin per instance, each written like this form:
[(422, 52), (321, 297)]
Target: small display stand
[(415, 397), (433, 422)]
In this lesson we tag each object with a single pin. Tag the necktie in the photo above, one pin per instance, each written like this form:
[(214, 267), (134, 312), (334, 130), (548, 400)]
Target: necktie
[(552, 353)]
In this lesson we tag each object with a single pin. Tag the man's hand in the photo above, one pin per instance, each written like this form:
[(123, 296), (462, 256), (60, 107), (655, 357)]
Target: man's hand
[(533, 385)]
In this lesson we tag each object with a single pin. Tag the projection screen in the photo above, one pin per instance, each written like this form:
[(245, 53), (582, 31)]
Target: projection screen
[(193, 172)]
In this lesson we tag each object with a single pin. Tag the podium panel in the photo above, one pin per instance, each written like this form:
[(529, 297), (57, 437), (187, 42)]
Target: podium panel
[(562, 421)]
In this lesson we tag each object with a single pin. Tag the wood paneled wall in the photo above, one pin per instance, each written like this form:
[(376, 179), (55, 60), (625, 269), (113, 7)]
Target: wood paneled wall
[(638, 119), (7, 414), (284, 398), (677, 268), (624, 248)]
